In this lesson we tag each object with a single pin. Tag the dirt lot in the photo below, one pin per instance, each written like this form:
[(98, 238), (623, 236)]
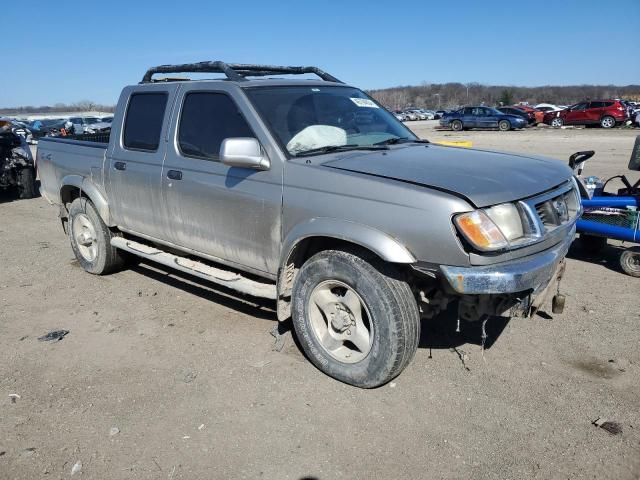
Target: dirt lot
[(165, 377)]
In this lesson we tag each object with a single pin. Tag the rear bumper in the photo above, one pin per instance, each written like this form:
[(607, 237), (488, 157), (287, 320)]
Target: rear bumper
[(530, 273)]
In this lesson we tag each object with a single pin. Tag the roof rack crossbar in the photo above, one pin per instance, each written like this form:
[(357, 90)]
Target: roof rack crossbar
[(236, 71)]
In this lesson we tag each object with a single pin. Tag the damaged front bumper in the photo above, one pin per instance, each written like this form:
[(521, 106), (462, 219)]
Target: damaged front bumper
[(532, 274)]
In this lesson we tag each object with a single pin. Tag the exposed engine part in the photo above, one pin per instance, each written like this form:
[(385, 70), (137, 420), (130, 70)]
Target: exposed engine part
[(472, 308), (432, 302)]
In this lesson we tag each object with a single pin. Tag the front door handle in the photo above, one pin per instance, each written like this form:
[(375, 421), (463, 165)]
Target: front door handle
[(120, 165), (174, 174)]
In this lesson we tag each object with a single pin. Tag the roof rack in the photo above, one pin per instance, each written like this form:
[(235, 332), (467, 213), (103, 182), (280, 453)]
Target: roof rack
[(235, 71)]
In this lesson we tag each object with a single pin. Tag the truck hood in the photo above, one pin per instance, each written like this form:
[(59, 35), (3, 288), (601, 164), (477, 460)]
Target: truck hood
[(482, 177)]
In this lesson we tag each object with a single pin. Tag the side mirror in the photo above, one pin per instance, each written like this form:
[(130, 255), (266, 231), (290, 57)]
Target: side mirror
[(243, 152)]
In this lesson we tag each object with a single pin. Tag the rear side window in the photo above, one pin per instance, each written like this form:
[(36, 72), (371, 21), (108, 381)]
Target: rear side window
[(207, 119), (596, 105), (143, 123), (608, 104)]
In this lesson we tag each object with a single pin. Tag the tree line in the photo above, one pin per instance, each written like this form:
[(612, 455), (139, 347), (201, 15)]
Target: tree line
[(437, 96), (82, 106)]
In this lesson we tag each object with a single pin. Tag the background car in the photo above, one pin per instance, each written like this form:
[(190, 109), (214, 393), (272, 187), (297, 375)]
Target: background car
[(529, 117), (104, 125), (547, 107), (80, 124), (400, 115), (42, 128), (420, 114), (410, 115), (439, 114), (481, 117), (428, 113), (22, 129), (606, 113)]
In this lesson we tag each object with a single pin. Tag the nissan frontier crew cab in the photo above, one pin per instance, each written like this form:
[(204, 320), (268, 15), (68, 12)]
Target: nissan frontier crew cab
[(310, 193)]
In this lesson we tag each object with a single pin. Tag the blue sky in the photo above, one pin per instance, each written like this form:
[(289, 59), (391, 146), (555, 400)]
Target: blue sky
[(58, 53)]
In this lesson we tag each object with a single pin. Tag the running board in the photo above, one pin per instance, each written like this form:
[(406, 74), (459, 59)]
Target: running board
[(228, 279)]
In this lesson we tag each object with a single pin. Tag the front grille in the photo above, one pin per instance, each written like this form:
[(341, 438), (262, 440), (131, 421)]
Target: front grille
[(558, 210)]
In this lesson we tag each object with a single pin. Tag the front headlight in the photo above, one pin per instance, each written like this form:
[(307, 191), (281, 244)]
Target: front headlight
[(495, 228), (480, 231), (507, 218)]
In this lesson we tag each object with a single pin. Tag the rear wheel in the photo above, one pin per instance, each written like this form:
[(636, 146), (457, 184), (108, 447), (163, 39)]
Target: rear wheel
[(557, 122), (356, 319), (456, 125), (630, 261), (608, 122), (91, 239), (27, 183), (504, 125)]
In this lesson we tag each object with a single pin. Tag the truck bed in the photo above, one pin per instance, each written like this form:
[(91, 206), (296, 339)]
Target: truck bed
[(58, 158)]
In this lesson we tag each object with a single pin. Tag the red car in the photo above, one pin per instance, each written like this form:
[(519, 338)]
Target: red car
[(606, 113)]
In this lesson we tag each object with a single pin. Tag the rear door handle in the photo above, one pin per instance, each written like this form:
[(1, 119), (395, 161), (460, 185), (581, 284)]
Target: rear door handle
[(174, 174), (120, 165)]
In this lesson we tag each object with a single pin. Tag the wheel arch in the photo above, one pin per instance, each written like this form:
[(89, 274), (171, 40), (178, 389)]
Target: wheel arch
[(75, 186), (319, 234)]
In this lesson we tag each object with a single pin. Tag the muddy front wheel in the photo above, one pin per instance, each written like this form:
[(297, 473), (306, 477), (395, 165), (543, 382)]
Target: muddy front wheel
[(355, 317)]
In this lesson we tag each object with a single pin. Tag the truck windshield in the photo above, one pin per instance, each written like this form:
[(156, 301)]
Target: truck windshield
[(309, 118)]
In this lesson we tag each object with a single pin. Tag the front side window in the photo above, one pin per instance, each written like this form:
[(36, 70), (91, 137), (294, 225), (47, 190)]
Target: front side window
[(143, 123), (207, 119), (305, 118)]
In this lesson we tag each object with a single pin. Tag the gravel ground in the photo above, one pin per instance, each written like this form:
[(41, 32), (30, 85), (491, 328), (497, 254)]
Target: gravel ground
[(162, 376)]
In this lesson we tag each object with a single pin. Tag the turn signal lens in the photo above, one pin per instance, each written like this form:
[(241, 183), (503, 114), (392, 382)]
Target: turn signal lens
[(480, 231)]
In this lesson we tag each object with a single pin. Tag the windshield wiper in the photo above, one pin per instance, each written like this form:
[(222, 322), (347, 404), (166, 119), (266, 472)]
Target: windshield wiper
[(397, 140), (339, 148)]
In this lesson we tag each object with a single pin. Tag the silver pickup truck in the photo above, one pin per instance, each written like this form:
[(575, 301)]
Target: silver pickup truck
[(308, 192)]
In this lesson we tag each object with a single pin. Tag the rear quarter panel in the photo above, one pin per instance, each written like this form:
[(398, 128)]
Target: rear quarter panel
[(58, 158)]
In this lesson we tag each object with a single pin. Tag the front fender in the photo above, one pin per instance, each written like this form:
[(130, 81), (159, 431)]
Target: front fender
[(380, 243), (88, 188)]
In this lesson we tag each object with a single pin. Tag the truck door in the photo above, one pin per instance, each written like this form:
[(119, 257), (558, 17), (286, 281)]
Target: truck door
[(231, 214), (134, 162)]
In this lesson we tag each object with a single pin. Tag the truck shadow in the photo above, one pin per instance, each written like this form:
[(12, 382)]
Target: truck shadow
[(441, 332), (436, 333), (608, 257), (257, 307)]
